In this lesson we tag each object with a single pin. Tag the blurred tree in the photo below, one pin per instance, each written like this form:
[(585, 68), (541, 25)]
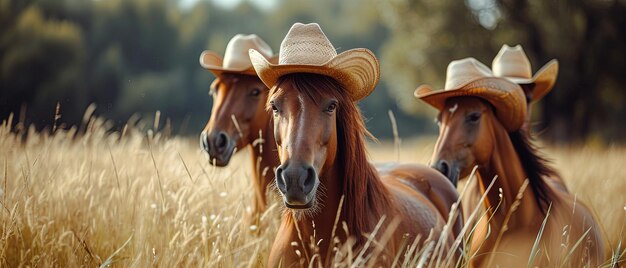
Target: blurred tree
[(144, 30), (146, 92), (107, 75), (138, 56), (586, 36), (426, 36), (41, 63)]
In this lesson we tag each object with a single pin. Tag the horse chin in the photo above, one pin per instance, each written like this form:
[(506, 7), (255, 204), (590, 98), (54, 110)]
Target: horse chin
[(301, 207), (221, 160), (301, 212)]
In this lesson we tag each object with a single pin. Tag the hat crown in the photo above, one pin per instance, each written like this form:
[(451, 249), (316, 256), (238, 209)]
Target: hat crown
[(236, 54), (461, 72), (306, 44), (512, 62)]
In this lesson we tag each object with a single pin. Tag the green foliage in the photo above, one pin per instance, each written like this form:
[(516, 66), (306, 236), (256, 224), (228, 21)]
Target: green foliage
[(146, 92), (138, 56), (587, 37), (42, 61), (426, 36)]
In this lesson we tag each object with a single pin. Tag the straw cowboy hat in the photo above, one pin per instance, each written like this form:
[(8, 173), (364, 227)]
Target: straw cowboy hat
[(306, 49), (469, 77), (236, 59), (512, 63)]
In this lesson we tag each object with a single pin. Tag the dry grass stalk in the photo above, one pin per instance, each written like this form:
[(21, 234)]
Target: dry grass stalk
[(65, 202)]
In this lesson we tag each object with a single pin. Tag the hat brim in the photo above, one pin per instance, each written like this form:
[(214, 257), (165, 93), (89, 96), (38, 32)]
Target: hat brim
[(506, 97), (357, 70), (213, 62), (544, 80)]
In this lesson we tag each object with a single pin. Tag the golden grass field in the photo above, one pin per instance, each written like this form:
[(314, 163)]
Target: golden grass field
[(136, 199)]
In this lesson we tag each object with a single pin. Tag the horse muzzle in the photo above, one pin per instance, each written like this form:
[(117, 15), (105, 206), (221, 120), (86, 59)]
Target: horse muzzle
[(297, 184), (219, 147), (450, 169)]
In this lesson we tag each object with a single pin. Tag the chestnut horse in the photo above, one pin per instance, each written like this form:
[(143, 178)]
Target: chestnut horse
[(472, 199), (471, 135), (320, 136), (239, 119)]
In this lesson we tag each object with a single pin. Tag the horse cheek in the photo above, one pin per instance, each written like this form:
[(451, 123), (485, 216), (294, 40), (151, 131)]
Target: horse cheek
[(328, 144), (482, 150), (277, 131)]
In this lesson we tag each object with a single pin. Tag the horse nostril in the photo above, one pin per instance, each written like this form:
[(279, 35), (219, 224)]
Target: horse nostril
[(444, 168), (309, 180), (221, 141), (280, 180)]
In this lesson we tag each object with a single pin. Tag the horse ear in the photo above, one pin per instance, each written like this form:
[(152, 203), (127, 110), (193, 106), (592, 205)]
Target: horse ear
[(215, 83)]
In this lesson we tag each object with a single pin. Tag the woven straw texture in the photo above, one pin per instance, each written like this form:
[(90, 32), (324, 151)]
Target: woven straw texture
[(306, 49), (469, 77), (236, 58), (513, 64)]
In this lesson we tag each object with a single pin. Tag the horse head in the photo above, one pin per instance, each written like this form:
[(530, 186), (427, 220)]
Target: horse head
[(237, 115), (305, 109), (465, 138)]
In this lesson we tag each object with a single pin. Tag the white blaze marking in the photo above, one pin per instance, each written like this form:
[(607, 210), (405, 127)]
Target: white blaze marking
[(453, 108)]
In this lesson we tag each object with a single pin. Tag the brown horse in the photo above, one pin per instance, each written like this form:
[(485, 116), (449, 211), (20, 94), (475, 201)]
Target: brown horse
[(472, 199), (471, 135), (320, 136), (238, 119)]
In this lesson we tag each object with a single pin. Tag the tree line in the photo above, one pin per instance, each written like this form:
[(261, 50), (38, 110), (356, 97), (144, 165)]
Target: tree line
[(139, 56)]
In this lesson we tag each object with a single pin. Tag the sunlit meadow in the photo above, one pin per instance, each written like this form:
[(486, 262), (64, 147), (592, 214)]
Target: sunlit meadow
[(142, 198)]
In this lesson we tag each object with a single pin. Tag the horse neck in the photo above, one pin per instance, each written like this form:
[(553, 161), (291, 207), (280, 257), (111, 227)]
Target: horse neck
[(506, 164), (317, 229), (360, 212)]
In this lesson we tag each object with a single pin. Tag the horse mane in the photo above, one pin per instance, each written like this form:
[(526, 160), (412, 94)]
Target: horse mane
[(535, 165), (365, 196)]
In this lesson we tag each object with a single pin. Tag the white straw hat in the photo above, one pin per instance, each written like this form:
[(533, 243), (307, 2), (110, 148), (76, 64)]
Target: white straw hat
[(236, 59), (511, 63), (306, 49), (469, 77)]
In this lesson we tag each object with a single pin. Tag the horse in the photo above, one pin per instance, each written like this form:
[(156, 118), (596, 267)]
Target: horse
[(564, 228), (239, 119), (472, 199), (332, 194)]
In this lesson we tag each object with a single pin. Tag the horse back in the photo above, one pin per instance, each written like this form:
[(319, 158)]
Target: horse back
[(434, 186), (417, 185)]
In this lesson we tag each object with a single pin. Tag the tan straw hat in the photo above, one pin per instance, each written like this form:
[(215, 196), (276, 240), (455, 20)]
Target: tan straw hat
[(512, 63), (469, 77), (306, 49), (236, 59)]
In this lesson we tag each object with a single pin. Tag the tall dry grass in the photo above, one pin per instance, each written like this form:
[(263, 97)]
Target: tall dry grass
[(135, 199), (594, 174), (131, 200)]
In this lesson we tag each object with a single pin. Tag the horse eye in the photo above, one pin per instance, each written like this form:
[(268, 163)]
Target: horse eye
[(332, 107), (274, 108), (473, 117), (255, 92)]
